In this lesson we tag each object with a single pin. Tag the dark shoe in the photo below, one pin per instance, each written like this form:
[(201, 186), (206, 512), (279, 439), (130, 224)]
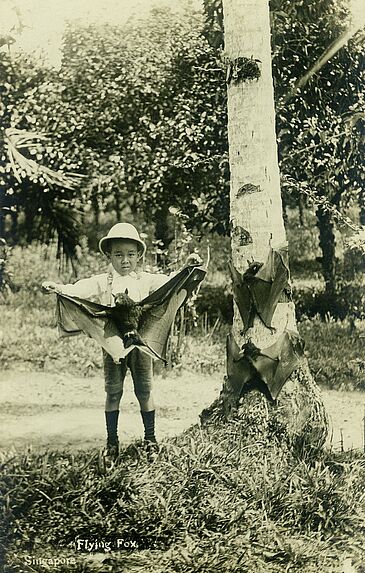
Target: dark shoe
[(152, 449), (112, 451)]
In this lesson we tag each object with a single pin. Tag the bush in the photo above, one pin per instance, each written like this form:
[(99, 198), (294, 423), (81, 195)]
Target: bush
[(303, 239), (204, 354), (216, 301), (347, 302), (335, 352)]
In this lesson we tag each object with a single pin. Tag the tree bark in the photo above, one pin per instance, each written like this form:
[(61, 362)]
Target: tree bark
[(301, 207), (164, 232), (362, 207), (117, 203), (257, 221), (327, 243), (2, 205), (96, 208)]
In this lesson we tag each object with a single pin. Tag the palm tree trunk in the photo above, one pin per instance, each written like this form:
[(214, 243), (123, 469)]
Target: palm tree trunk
[(256, 209)]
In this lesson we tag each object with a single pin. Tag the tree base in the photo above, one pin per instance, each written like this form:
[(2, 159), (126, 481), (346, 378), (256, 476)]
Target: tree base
[(297, 417)]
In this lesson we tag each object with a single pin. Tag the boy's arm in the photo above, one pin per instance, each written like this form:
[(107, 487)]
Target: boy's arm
[(158, 280), (51, 286), (85, 288), (193, 260)]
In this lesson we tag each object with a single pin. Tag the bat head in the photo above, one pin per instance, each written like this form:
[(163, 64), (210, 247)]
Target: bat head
[(252, 269), (126, 312), (122, 299), (250, 350)]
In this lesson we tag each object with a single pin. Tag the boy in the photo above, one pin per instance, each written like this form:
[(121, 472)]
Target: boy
[(124, 248)]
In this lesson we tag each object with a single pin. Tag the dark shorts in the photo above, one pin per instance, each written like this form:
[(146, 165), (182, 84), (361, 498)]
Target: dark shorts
[(140, 365)]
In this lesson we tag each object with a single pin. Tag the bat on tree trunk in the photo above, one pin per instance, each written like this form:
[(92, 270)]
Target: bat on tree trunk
[(128, 325), (258, 290), (267, 369)]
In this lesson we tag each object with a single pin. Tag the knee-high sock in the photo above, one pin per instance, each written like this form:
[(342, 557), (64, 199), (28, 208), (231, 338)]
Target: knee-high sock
[(149, 425), (111, 419)]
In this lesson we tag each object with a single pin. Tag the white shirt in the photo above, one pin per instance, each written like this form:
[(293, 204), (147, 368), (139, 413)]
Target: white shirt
[(99, 288)]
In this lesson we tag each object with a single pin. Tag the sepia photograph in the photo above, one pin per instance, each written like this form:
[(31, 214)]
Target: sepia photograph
[(182, 289)]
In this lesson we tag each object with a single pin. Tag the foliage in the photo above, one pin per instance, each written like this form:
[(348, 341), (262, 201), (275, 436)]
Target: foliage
[(216, 302), (347, 301), (139, 111), (321, 130), (320, 127), (111, 113), (209, 493), (28, 182), (338, 361)]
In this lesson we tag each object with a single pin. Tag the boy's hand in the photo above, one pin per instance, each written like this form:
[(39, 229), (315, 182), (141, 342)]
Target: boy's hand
[(50, 286), (193, 260)]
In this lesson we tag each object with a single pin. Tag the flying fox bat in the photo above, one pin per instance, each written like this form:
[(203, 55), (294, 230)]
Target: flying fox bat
[(257, 291), (271, 366), (128, 325)]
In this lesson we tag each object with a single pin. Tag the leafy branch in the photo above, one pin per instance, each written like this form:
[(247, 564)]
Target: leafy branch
[(357, 240), (16, 141)]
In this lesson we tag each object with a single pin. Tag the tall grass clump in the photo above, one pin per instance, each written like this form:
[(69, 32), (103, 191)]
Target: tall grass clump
[(215, 499)]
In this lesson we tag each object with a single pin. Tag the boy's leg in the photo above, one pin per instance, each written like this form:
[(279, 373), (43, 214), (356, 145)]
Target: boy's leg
[(114, 375), (141, 368)]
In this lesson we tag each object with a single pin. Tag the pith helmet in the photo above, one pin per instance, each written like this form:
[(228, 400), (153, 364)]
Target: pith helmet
[(122, 231)]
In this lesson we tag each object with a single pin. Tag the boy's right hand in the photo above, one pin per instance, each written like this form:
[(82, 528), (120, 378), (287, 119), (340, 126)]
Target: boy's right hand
[(50, 286)]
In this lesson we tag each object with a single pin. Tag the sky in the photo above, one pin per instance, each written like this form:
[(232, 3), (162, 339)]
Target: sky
[(45, 19)]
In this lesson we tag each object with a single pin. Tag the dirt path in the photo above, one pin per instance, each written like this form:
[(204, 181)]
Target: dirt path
[(45, 410), (42, 409)]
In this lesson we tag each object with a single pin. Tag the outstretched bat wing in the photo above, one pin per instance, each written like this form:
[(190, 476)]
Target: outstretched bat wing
[(271, 366), (188, 279), (268, 284), (286, 353), (161, 306), (77, 316), (243, 298), (239, 370), (156, 323), (100, 322)]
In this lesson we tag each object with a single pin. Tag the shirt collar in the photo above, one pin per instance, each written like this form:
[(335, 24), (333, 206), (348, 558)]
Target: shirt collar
[(116, 275)]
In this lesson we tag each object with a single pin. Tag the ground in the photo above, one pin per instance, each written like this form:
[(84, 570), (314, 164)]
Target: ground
[(57, 411)]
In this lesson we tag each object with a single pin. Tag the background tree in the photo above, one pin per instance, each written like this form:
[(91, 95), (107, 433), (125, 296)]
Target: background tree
[(320, 126), (30, 188), (140, 114), (256, 213)]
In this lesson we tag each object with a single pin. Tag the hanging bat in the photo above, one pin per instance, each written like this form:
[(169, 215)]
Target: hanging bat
[(269, 368), (258, 290), (128, 325)]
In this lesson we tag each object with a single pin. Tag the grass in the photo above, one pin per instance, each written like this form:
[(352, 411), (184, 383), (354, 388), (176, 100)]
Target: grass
[(212, 501), (222, 498)]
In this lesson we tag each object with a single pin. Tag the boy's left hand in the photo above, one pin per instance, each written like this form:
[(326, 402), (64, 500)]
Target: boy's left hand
[(193, 260)]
